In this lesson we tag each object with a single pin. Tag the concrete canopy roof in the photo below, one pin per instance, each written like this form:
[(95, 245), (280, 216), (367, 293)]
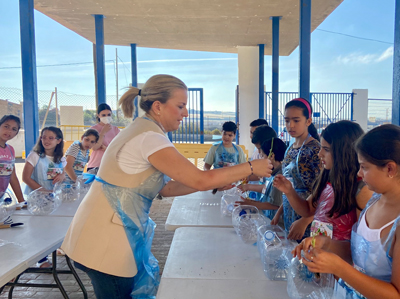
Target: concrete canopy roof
[(202, 25)]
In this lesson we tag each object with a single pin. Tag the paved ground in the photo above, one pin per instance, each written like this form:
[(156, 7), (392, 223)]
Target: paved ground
[(161, 244)]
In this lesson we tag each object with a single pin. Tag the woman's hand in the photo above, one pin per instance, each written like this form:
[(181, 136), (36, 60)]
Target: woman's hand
[(262, 167), (59, 178), (306, 245), (321, 261), (227, 187), (105, 129), (282, 184)]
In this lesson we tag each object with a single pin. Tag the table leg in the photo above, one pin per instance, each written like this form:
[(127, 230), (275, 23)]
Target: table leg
[(55, 275), (78, 280), (11, 290)]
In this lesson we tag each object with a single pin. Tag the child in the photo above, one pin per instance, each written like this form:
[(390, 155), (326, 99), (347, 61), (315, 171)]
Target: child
[(373, 271), (9, 128), (273, 149), (78, 154), (45, 163), (225, 153), (338, 192), (253, 126), (44, 166), (261, 134), (301, 164)]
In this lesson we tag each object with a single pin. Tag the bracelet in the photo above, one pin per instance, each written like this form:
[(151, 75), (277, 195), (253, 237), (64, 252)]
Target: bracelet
[(251, 166)]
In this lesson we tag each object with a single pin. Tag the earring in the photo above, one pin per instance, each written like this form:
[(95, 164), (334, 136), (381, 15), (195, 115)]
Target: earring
[(390, 176), (158, 113)]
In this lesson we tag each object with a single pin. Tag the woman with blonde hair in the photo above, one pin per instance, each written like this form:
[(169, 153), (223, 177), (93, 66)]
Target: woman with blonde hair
[(110, 236)]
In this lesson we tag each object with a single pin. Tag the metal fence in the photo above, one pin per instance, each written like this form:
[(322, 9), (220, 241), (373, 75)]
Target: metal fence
[(11, 101), (191, 129), (327, 107), (379, 112)]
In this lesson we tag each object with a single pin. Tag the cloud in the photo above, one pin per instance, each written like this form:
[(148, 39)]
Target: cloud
[(359, 58), (385, 55)]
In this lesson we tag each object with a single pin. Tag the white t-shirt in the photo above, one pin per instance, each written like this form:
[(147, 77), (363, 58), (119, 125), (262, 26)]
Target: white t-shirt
[(33, 159), (256, 154), (134, 155)]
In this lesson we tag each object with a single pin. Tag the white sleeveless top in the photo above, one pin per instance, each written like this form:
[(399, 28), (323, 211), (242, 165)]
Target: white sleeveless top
[(369, 234)]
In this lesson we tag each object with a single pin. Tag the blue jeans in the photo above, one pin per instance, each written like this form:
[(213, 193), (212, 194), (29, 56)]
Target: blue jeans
[(108, 286)]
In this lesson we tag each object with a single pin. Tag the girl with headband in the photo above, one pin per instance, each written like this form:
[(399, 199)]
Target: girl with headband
[(301, 165)]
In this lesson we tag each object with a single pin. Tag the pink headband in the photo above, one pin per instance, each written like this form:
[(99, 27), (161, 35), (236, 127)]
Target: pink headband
[(306, 103)]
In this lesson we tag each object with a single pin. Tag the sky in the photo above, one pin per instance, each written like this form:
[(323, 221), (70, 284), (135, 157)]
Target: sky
[(339, 63)]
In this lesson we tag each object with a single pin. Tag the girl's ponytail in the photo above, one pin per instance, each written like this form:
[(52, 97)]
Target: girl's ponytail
[(313, 131)]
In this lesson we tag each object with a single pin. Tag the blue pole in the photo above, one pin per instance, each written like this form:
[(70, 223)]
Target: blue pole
[(304, 49), (261, 113), (275, 73), (134, 76), (100, 60), (29, 80), (201, 117), (396, 67)]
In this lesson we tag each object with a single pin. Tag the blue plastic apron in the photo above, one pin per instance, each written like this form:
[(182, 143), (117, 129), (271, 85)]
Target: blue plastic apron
[(6, 169), (268, 213), (371, 258), (292, 171), (224, 158), (133, 207)]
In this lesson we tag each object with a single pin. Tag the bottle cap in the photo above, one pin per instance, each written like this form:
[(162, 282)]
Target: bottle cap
[(269, 235)]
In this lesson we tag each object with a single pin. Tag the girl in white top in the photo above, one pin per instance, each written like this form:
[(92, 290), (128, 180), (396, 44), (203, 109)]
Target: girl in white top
[(370, 267), (44, 165)]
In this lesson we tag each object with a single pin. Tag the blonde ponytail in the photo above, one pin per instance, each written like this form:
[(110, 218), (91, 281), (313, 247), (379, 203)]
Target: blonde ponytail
[(127, 101)]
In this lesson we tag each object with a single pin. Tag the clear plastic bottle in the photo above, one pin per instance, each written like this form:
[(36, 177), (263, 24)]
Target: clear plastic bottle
[(303, 284), (277, 257)]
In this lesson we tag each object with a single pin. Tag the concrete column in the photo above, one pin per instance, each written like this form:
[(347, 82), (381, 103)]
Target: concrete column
[(248, 60), (360, 107)]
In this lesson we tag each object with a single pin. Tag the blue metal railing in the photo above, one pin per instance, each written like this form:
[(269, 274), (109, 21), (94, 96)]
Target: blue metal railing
[(191, 130), (327, 107)]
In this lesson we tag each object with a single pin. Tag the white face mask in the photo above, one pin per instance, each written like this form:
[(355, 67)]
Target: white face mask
[(106, 119)]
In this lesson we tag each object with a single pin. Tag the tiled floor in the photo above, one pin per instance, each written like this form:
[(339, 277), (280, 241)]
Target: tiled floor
[(161, 244)]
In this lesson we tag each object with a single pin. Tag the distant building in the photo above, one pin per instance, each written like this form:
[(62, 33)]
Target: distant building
[(7, 107)]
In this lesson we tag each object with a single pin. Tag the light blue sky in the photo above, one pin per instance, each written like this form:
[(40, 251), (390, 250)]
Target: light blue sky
[(338, 63)]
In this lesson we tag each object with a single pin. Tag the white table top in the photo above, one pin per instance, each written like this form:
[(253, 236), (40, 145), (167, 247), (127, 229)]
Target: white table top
[(38, 237), (215, 263), (200, 209), (67, 209)]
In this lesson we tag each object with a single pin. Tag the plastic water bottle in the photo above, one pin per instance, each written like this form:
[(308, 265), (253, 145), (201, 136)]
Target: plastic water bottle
[(304, 284), (277, 257)]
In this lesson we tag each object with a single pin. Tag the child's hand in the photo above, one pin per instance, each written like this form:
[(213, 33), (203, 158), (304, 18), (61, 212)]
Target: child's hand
[(275, 220), (282, 184), (103, 147), (306, 245), (297, 229), (245, 201), (320, 261), (58, 178), (243, 187)]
